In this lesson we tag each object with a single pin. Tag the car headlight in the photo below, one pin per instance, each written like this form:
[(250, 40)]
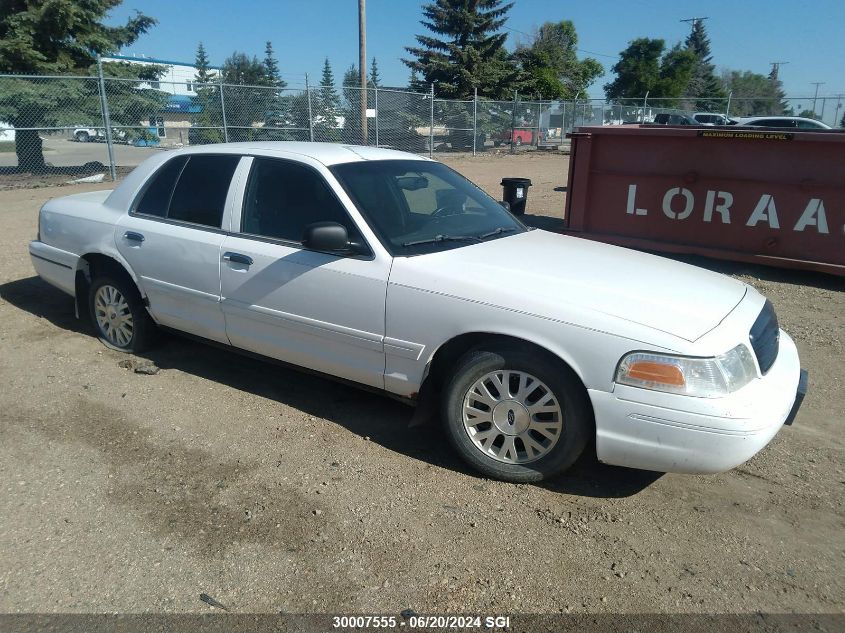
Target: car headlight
[(698, 377)]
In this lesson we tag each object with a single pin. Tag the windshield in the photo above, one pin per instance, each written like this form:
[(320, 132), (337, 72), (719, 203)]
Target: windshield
[(418, 206)]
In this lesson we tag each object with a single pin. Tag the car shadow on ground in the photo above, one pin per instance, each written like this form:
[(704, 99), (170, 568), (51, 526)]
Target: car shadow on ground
[(367, 414)]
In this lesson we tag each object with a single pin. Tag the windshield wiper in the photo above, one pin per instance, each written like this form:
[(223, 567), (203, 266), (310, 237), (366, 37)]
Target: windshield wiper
[(444, 238), (498, 231)]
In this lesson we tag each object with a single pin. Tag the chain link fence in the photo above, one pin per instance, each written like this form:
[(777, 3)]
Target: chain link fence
[(69, 127)]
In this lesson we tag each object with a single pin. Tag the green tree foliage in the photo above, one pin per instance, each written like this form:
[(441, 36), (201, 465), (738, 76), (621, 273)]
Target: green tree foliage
[(272, 74), (842, 122), (704, 86), (549, 66), (351, 108), (782, 106), (247, 100), (809, 114), (753, 93), (55, 37), (467, 51), (644, 67), (375, 78), (326, 107), (207, 124)]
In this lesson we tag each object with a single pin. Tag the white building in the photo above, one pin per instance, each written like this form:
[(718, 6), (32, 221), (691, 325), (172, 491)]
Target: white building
[(178, 78)]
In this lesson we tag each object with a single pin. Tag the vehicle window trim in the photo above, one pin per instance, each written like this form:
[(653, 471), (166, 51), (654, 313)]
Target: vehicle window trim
[(133, 212), (370, 255)]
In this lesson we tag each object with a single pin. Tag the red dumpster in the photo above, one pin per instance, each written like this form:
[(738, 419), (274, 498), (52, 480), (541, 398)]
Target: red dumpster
[(768, 196)]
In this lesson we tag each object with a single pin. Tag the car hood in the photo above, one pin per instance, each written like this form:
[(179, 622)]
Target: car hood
[(571, 279)]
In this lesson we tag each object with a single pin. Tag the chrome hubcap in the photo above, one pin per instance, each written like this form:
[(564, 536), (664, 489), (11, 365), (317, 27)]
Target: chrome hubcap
[(114, 318), (512, 416)]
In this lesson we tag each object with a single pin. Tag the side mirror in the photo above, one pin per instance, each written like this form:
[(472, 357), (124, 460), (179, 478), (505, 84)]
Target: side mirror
[(506, 205), (326, 236)]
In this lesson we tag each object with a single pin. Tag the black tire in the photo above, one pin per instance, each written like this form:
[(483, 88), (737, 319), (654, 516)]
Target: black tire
[(576, 416), (82, 137), (143, 328)]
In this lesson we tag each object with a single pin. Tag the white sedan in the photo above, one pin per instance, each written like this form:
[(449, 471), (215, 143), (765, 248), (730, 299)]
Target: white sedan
[(396, 273)]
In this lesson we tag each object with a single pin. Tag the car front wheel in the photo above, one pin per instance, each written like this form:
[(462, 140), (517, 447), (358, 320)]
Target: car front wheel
[(516, 415), (119, 316)]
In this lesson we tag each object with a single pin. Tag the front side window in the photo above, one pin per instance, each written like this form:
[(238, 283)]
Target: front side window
[(419, 206), (284, 197), (190, 189)]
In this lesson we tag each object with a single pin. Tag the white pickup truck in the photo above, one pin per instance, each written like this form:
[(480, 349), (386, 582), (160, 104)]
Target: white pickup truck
[(394, 272)]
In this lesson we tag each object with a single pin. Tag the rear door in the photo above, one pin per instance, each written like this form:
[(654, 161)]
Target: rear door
[(172, 237), (318, 310)]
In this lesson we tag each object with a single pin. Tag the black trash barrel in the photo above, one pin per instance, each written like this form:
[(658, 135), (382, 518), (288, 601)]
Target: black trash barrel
[(515, 193)]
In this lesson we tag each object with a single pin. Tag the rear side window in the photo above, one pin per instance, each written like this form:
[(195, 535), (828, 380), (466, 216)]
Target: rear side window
[(200, 194), (156, 199), (190, 189)]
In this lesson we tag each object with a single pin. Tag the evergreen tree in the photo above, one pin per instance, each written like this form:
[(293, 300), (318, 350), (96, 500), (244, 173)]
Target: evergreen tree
[(203, 74), (246, 99), (374, 76), (208, 123), (273, 76), (52, 38), (326, 107), (467, 51), (351, 110), (842, 122), (779, 105), (703, 87)]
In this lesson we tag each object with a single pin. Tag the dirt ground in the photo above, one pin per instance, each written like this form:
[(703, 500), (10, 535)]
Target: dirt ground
[(272, 490)]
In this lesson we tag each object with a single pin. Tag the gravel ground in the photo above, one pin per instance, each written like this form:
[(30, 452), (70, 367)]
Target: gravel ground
[(272, 490)]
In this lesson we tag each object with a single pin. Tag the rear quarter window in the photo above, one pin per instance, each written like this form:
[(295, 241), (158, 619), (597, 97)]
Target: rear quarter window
[(156, 198)]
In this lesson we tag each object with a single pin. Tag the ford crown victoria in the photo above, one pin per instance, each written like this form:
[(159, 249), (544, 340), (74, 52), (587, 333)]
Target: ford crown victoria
[(394, 272)]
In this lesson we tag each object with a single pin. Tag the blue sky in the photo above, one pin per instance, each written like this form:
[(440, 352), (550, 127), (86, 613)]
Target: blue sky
[(745, 34)]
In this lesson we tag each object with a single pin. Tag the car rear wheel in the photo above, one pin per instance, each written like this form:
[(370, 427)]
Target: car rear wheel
[(119, 316), (516, 415), (82, 136)]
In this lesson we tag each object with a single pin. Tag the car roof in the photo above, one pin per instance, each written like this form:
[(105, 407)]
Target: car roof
[(326, 153)]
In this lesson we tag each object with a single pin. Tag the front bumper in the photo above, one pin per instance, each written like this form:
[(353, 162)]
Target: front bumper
[(651, 430)]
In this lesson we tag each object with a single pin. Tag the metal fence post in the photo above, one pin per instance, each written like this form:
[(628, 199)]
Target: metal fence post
[(645, 104), (728, 109), (474, 119), (513, 121), (104, 106), (563, 122), (539, 114), (431, 126), (375, 99), (223, 110), (310, 117)]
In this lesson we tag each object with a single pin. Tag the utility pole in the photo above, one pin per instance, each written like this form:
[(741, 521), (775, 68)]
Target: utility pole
[(776, 69), (693, 21), (816, 95), (362, 65)]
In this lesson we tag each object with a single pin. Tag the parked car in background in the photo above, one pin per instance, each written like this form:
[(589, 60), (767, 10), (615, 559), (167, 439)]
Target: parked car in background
[(518, 137), (395, 272), (674, 118), (710, 118), (90, 134), (781, 121)]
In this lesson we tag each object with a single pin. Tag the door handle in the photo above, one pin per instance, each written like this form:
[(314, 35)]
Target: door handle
[(237, 258), (133, 236)]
